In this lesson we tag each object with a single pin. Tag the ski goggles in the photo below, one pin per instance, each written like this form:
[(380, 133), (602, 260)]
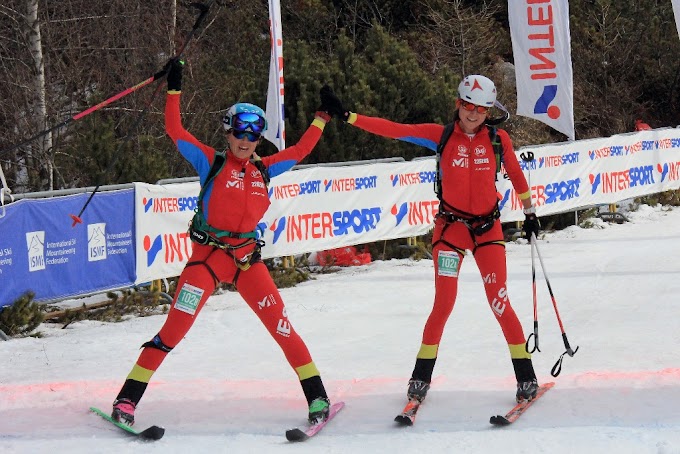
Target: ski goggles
[(247, 121), (470, 107), (251, 136)]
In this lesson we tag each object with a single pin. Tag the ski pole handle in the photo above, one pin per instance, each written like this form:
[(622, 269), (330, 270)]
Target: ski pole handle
[(569, 351), (557, 368), (535, 299), (533, 335)]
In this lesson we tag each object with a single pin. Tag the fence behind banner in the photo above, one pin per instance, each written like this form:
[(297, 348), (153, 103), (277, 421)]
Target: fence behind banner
[(133, 236)]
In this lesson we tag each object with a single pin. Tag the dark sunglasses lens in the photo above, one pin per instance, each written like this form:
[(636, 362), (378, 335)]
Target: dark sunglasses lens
[(248, 121), (252, 137)]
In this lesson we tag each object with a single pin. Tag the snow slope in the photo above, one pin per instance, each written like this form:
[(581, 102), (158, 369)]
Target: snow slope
[(228, 389)]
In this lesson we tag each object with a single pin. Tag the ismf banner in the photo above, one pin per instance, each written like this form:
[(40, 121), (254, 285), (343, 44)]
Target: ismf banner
[(41, 252), (541, 47)]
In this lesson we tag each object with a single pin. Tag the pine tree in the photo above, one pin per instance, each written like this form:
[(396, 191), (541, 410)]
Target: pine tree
[(22, 317)]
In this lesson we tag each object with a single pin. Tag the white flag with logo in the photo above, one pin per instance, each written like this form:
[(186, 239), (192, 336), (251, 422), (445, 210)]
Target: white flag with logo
[(276, 127), (676, 11), (541, 44)]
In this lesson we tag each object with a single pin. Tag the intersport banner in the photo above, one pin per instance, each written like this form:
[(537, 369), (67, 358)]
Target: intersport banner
[(602, 171), (163, 213), (312, 209), (541, 46), (322, 208)]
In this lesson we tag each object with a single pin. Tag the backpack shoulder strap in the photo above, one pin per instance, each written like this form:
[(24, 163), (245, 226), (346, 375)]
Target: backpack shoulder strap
[(257, 162), (219, 160), (446, 134), (497, 146), (217, 165), (215, 168)]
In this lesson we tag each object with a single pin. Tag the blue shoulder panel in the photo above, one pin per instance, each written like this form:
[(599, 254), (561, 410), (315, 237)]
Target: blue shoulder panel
[(196, 158), (280, 167), (427, 143)]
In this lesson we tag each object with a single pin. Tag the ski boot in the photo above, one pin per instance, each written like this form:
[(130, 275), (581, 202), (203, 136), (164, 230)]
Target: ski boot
[(527, 385), (417, 390), (124, 411), (526, 390), (319, 410)]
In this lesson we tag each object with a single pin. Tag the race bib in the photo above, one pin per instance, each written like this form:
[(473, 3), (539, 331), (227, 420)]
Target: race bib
[(447, 263), (188, 299)]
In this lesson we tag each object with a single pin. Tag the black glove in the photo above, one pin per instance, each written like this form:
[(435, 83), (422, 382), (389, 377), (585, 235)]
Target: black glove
[(331, 104), (175, 74), (531, 225)]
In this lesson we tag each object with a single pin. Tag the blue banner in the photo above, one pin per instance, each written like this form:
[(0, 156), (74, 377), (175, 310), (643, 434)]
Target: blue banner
[(40, 251)]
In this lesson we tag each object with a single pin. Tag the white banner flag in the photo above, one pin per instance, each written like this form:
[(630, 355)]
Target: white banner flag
[(541, 45), (676, 11), (276, 130)]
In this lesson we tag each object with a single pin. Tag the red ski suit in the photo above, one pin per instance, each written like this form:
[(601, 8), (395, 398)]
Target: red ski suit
[(235, 201), (468, 179)]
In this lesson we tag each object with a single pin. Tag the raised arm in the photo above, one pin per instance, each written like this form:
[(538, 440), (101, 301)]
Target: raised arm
[(425, 135), (200, 156), (285, 159)]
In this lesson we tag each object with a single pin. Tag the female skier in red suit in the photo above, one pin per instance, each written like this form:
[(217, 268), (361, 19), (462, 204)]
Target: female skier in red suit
[(468, 219), (233, 199)]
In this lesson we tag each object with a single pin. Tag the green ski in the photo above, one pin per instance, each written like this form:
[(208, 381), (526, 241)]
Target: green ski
[(151, 433)]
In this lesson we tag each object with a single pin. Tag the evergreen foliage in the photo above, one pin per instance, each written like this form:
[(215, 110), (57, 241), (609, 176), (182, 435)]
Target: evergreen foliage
[(401, 60), (285, 277), (22, 317)]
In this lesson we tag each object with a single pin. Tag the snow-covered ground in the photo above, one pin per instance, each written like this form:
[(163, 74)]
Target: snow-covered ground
[(228, 389)]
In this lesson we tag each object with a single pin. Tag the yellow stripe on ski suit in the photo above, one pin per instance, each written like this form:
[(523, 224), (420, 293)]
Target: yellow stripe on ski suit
[(518, 351), (428, 351), (140, 374), (307, 371)]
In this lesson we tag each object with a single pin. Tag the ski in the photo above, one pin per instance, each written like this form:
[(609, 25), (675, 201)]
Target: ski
[(151, 433), (298, 434), (520, 408), (408, 414)]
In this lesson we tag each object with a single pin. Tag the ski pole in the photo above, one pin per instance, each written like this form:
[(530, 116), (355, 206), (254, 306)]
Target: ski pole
[(533, 289), (528, 158), (160, 74), (80, 115), (203, 12), (557, 368)]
